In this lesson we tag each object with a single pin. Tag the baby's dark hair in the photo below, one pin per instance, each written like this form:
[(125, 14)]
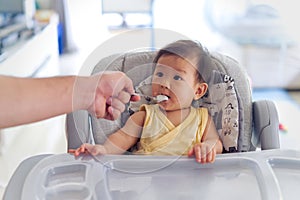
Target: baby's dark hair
[(190, 50)]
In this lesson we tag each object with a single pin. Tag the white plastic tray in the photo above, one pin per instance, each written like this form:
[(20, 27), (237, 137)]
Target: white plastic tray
[(266, 175)]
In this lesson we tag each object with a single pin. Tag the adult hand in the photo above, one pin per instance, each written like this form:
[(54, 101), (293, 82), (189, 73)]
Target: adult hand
[(29, 100), (108, 92)]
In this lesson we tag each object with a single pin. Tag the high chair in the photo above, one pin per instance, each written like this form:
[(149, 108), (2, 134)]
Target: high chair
[(254, 174), (243, 125)]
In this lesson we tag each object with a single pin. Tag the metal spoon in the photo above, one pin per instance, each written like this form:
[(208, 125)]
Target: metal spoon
[(157, 99)]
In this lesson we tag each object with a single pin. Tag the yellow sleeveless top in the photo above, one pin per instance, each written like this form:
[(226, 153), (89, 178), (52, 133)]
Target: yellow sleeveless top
[(161, 137)]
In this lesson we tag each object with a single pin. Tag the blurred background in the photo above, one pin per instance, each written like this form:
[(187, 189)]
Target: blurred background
[(263, 35)]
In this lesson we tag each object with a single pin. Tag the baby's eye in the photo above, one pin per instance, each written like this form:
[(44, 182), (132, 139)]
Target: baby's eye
[(159, 74), (178, 78)]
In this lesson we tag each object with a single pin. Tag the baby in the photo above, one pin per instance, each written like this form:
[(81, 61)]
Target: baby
[(172, 126)]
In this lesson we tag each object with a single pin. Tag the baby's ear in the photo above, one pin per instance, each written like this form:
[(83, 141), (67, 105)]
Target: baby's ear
[(200, 90)]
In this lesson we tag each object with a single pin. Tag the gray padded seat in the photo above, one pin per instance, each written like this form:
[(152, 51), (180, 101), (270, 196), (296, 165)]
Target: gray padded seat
[(81, 127)]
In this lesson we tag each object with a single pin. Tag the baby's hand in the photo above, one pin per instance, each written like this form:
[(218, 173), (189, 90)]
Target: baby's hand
[(203, 152), (88, 148)]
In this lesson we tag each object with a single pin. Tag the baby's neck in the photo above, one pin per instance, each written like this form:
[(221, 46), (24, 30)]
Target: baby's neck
[(177, 116)]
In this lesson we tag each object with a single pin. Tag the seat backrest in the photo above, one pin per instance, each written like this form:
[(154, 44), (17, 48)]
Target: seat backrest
[(228, 100)]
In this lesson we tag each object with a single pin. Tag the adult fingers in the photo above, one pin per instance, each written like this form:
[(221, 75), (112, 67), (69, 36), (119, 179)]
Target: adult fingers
[(118, 81), (112, 107), (117, 104), (99, 106), (112, 114), (123, 97), (135, 98), (127, 85)]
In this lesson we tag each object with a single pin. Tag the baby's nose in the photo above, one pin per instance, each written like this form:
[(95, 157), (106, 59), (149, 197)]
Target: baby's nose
[(165, 84)]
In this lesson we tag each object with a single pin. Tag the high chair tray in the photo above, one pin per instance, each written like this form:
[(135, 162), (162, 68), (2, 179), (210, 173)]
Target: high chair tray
[(266, 175)]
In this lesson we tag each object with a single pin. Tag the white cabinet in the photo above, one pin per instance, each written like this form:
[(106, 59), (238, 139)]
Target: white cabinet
[(35, 56)]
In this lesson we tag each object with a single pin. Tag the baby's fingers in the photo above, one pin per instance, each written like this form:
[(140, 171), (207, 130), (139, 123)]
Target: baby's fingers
[(95, 149), (191, 152), (209, 156), (212, 155), (199, 153), (78, 151), (72, 151), (203, 153)]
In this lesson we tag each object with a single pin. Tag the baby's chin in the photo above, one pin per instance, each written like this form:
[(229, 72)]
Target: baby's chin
[(167, 106), (163, 106)]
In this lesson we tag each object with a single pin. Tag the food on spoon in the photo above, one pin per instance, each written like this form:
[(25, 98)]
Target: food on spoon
[(160, 98)]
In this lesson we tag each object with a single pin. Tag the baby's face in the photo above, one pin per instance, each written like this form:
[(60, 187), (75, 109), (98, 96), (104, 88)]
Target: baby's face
[(175, 78)]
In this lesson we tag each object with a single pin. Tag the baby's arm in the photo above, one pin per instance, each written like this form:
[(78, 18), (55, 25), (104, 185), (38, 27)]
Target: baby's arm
[(210, 145), (118, 142)]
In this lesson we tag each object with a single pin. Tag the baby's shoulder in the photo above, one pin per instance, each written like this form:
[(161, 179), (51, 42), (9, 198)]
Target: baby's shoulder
[(138, 117)]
